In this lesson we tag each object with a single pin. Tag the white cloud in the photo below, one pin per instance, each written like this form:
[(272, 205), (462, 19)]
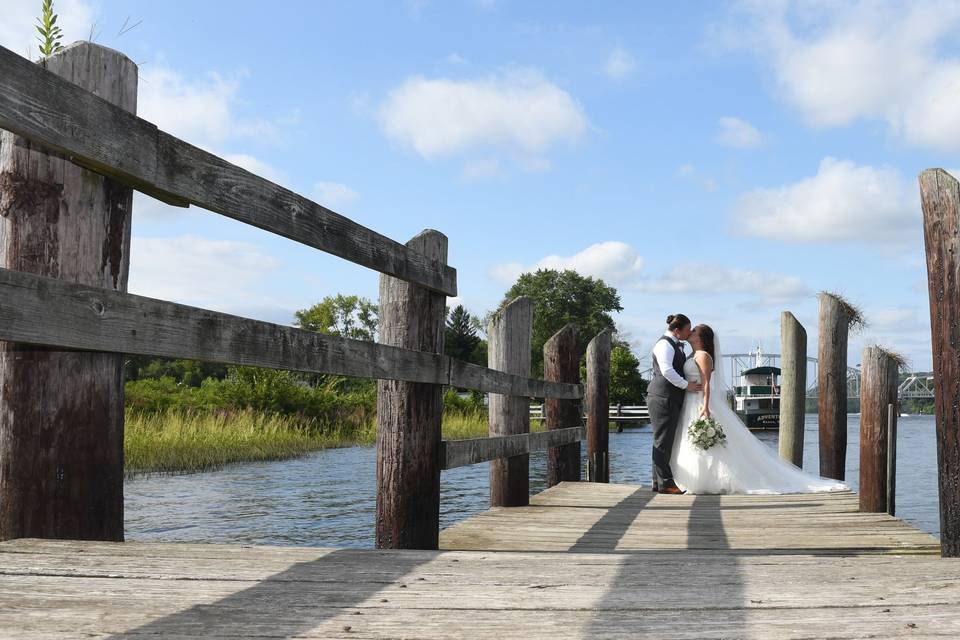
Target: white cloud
[(334, 195), (843, 202), (614, 262), (903, 319), (619, 64), (517, 110), (840, 62), (714, 279), (738, 134), (222, 275), (201, 111), (485, 169), (534, 164), (691, 173), (17, 27), (456, 58)]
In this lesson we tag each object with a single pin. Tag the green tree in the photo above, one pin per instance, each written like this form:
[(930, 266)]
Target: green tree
[(562, 297), (460, 339), (626, 384), (345, 316)]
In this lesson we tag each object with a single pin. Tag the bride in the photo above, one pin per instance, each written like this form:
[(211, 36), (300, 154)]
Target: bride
[(741, 465)]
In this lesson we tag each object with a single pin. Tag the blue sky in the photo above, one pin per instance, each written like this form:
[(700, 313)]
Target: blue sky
[(725, 160)]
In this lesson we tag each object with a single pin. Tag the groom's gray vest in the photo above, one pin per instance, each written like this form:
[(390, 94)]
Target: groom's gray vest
[(660, 386)]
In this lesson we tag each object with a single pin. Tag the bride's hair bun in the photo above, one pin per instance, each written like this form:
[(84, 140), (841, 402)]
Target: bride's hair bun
[(677, 321)]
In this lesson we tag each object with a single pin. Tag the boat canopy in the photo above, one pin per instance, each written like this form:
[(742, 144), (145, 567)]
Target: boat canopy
[(761, 371)]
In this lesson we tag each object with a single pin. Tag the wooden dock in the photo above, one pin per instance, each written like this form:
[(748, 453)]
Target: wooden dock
[(583, 560)]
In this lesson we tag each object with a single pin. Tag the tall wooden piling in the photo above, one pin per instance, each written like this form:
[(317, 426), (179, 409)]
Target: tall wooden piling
[(61, 427), (509, 336), (892, 459), (561, 363), (793, 387), (597, 401), (878, 390), (940, 196), (409, 414), (836, 317)]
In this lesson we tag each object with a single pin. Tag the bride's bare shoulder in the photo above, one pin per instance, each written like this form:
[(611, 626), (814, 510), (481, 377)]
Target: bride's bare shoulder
[(703, 357)]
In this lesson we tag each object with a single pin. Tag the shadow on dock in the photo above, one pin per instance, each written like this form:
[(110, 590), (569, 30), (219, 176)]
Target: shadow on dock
[(669, 589), (607, 532), (300, 596)]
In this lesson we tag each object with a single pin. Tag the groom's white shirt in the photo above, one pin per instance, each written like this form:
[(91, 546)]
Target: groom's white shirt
[(663, 350)]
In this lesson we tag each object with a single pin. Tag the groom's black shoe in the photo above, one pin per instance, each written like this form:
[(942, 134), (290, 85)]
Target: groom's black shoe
[(655, 489)]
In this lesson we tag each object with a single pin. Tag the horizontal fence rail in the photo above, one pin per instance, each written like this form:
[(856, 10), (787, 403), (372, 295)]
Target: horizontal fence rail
[(55, 313), (40, 106), (617, 413), (462, 453)]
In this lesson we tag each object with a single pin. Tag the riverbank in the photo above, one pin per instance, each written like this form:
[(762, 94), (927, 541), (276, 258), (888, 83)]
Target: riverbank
[(175, 441)]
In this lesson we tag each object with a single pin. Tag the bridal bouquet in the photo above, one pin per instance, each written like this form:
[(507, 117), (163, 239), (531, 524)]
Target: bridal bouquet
[(705, 433)]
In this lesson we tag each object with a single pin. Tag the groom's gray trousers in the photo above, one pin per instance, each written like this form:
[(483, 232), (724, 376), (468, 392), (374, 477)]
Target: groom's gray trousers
[(664, 416)]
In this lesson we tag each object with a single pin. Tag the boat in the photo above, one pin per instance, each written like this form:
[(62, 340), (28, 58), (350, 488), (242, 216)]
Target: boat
[(757, 398)]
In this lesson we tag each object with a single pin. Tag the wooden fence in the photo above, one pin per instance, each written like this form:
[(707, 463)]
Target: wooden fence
[(61, 114)]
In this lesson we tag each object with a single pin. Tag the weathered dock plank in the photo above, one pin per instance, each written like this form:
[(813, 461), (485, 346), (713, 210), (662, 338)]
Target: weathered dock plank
[(626, 518), (625, 571)]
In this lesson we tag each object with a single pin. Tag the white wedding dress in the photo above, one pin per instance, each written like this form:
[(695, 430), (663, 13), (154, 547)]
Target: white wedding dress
[(741, 465)]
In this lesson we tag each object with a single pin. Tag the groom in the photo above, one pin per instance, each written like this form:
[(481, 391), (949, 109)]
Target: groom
[(665, 398)]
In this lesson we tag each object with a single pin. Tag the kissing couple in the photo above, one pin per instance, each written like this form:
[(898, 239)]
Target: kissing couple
[(687, 386)]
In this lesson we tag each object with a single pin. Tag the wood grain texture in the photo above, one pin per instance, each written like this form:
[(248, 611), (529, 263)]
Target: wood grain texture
[(597, 401), (879, 379), (471, 376), (509, 336), (461, 453), (44, 311), (61, 413), (833, 333), (940, 197), (40, 106), (583, 561), (626, 519), (561, 363), (41, 311), (409, 414), (793, 388)]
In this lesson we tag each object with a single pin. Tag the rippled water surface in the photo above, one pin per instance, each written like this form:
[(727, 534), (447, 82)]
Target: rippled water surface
[(327, 498)]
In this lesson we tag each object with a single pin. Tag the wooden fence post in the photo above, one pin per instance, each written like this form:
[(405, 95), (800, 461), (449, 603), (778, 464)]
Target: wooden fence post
[(561, 363), (892, 459), (509, 336), (597, 400), (793, 388), (878, 390), (834, 329), (410, 414), (61, 419), (940, 196)]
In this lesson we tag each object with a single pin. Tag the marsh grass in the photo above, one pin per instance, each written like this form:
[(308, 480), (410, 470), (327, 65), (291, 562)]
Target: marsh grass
[(182, 441), (177, 441)]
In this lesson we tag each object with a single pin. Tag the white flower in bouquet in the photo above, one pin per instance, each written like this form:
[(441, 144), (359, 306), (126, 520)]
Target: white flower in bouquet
[(705, 433)]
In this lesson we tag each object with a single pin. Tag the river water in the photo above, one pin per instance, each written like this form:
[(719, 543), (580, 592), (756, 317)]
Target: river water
[(327, 498)]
